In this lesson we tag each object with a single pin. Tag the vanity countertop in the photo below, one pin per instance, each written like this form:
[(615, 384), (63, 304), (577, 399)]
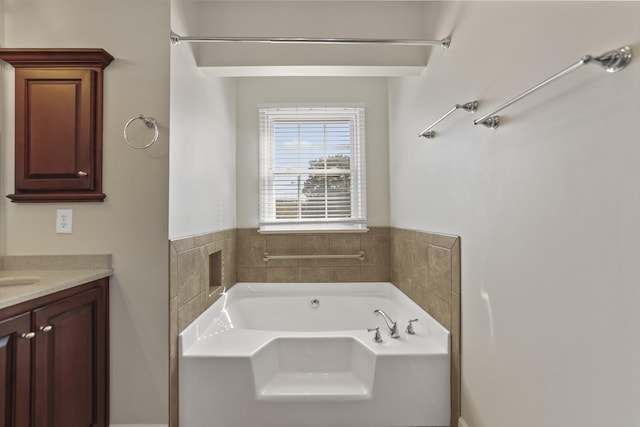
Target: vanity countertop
[(23, 278)]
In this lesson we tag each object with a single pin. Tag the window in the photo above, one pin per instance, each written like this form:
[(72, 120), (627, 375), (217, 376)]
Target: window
[(312, 168)]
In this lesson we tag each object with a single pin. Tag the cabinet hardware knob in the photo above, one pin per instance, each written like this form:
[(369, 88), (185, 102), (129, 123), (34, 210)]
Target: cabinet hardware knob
[(82, 174), (46, 328), (28, 335)]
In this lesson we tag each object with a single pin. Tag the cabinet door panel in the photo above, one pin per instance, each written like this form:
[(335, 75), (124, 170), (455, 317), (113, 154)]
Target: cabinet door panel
[(70, 371), (15, 372), (55, 120)]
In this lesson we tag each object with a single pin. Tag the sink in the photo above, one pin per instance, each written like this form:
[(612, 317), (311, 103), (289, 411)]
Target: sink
[(18, 280)]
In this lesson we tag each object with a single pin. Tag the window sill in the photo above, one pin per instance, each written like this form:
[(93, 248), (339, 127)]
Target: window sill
[(312, 229)]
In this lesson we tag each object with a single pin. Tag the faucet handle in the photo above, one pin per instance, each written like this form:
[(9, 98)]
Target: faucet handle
[(377, 337), (410, 329)]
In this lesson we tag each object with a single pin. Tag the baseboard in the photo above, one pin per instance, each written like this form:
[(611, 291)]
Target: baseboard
[(462, 423), (138, 425)]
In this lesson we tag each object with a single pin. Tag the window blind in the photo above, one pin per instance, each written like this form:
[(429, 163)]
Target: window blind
[(312, 169)]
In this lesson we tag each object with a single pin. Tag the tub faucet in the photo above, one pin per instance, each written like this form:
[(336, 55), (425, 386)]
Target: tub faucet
[(393, 327)]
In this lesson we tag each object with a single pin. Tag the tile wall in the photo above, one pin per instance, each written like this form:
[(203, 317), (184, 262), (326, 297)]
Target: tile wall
[(200, 268), (426, 266), (374, 268)]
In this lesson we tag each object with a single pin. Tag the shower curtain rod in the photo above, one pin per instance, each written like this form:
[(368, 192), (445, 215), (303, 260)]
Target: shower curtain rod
[(176, 39)]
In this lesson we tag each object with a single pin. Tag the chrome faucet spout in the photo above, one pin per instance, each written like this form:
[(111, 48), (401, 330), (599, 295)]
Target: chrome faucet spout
[(393, 326)]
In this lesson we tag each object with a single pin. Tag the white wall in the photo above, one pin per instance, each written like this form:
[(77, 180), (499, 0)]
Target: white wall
[(132, 222), (547, 206), (333, 19), (255, 91), (203, 166)]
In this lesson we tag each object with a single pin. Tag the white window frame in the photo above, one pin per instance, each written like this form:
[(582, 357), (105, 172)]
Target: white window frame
[(269, 116)]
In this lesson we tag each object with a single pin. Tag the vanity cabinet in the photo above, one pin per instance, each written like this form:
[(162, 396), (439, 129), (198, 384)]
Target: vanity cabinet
[(58, 124), (54, 359), (15, 371)]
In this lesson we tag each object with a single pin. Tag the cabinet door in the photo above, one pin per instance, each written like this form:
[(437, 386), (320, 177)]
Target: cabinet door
[(55, 128), (70, 362), (15, 371)]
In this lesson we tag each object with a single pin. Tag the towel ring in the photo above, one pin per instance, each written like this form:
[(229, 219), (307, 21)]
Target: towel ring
[(150, 122)]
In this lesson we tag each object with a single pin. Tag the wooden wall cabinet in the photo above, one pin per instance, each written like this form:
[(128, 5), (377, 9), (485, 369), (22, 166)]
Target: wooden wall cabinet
[(54, 360), (58, 117)]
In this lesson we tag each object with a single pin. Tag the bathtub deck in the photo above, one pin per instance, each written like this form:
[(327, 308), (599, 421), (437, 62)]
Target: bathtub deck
[(244, 343)]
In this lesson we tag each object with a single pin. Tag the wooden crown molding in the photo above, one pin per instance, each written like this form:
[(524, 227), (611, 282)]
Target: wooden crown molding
[(52, 58)]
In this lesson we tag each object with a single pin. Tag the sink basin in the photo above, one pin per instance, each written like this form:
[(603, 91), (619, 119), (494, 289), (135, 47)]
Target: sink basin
[(18, 280)]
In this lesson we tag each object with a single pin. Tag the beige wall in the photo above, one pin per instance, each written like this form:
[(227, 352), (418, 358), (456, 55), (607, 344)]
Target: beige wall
[(546, 205), (132, 222)]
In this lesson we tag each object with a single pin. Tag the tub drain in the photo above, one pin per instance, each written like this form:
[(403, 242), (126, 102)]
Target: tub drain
[(314, 303)]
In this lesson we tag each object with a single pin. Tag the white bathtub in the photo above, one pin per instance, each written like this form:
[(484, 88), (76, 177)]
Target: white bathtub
[(268, 355)]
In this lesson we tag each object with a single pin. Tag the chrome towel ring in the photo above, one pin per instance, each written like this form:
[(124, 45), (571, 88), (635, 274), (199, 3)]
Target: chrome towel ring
[(150, 122)]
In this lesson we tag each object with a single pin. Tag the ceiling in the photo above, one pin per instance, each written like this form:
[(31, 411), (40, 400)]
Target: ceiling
[(312, 19)]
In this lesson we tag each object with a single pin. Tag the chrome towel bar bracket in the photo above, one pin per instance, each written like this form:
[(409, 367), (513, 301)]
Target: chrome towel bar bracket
[(470, 107)]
